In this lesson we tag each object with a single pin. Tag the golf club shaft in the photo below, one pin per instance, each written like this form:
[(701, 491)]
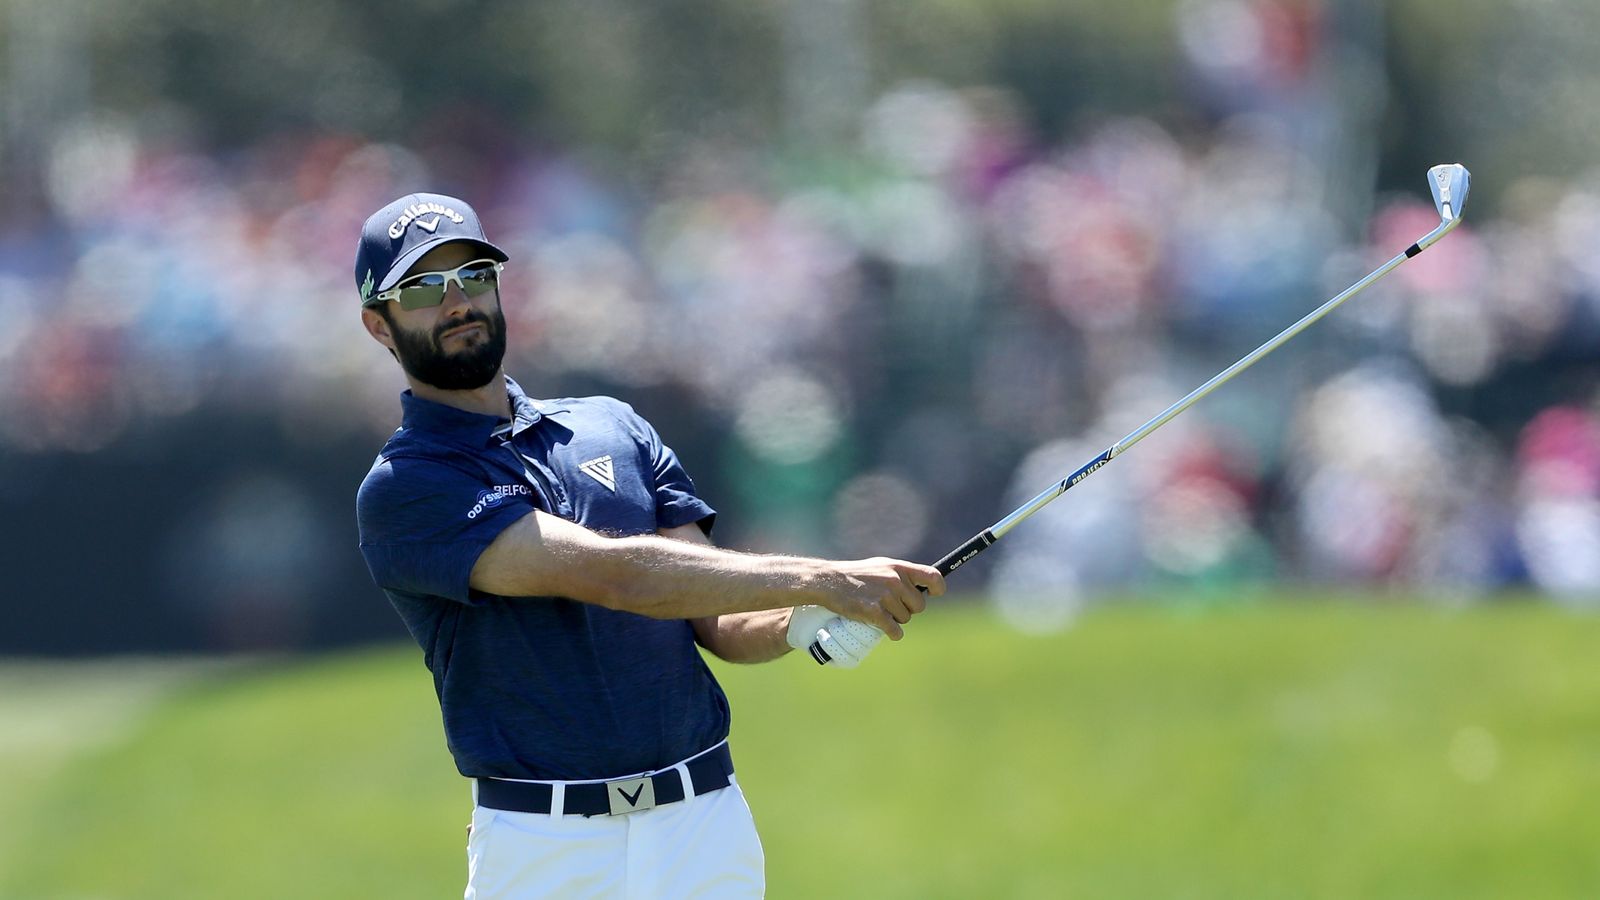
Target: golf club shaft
[(1449, 183), (986, 538)]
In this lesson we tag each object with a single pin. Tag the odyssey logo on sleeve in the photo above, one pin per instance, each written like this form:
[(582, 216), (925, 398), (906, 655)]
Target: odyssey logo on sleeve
[(493, 497)]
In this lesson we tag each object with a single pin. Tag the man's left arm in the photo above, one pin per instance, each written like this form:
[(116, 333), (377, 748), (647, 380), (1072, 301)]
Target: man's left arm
[(748, 637)]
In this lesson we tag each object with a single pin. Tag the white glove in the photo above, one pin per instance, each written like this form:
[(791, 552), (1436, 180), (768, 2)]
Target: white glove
[(846, 643)]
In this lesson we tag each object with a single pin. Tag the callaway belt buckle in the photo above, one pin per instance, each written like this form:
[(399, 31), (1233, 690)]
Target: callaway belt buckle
[(631, 795)]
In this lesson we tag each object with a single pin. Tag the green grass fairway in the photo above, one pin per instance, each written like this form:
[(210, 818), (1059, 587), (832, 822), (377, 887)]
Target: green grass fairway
[(1308, 750)]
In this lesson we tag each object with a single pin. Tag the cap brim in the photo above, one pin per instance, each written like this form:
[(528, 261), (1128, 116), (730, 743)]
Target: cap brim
[(410, 257)]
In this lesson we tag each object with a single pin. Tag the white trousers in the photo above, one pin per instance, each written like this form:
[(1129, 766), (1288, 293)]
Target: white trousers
[(703, 846)]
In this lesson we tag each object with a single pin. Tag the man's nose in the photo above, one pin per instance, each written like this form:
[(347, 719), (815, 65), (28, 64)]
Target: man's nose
[(455, 300)]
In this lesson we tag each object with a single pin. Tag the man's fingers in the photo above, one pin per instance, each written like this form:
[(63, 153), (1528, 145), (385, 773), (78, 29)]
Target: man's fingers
[(907, 595), (916, 601), (882, 619), (926, 578), (930, 579), (889, 626), (898, 602)]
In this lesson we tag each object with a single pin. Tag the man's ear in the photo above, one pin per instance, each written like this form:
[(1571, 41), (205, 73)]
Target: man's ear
[(377, 326)]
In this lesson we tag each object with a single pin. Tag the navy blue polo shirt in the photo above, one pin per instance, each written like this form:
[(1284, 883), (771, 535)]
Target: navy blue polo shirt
[(538, 687)]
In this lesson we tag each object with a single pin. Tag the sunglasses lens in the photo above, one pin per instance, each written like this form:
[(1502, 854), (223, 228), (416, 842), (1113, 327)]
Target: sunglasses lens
[(420, 296), (477, 278)]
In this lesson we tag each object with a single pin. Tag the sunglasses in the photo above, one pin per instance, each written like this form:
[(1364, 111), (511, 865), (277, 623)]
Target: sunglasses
[(426, 289)]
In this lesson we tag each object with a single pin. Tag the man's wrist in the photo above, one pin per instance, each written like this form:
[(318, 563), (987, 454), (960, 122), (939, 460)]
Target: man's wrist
[(803, 624), (803, 581)]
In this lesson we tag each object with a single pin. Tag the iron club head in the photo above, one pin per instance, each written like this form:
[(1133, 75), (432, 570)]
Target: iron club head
[(1450, 183)]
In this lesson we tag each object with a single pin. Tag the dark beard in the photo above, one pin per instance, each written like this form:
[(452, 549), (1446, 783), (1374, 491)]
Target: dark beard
[(423, 356)]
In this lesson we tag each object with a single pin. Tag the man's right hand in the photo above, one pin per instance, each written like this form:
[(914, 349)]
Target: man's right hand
[(884, 593)]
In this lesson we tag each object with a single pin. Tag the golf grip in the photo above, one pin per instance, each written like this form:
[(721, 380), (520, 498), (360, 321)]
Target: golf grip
[(948, 564)]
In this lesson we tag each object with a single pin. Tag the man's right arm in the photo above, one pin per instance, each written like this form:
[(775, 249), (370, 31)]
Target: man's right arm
[(544, 555)]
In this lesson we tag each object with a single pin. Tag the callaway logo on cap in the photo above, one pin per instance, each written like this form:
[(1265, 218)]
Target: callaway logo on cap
[(397, 235)]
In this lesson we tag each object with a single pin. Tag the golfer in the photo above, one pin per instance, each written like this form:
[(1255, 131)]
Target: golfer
[(553, 560)]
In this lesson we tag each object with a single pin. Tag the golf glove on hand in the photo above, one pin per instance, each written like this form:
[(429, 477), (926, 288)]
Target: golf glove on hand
[(847, 643)]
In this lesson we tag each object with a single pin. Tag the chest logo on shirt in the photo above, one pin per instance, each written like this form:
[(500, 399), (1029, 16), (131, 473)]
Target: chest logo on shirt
[(600, 470)]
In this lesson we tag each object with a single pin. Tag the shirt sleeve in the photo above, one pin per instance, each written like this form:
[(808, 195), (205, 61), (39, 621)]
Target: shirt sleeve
[(424, 523), (676, 500)]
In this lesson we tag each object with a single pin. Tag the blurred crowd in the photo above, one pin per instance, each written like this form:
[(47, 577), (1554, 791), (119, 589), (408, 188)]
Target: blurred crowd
[(880, 349)]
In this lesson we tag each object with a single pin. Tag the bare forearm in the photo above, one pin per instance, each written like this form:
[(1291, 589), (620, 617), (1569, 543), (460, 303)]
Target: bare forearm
[(544, 556), (752, 637), (650, 575), (668, 579)]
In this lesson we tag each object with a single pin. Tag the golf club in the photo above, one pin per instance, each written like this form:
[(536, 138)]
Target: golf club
[(1449, 182)]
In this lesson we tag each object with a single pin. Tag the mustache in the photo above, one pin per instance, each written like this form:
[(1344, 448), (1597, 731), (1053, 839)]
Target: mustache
[(470, 318)]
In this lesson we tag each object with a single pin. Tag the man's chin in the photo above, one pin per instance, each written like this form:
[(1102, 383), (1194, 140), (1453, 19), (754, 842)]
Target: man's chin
[(455, 377)]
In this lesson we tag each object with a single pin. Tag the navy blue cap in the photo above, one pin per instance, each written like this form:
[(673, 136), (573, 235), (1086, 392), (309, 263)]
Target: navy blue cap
[(397, 235)]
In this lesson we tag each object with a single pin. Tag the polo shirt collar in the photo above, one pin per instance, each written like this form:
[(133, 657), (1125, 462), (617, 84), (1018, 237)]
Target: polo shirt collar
[(473, 428)]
